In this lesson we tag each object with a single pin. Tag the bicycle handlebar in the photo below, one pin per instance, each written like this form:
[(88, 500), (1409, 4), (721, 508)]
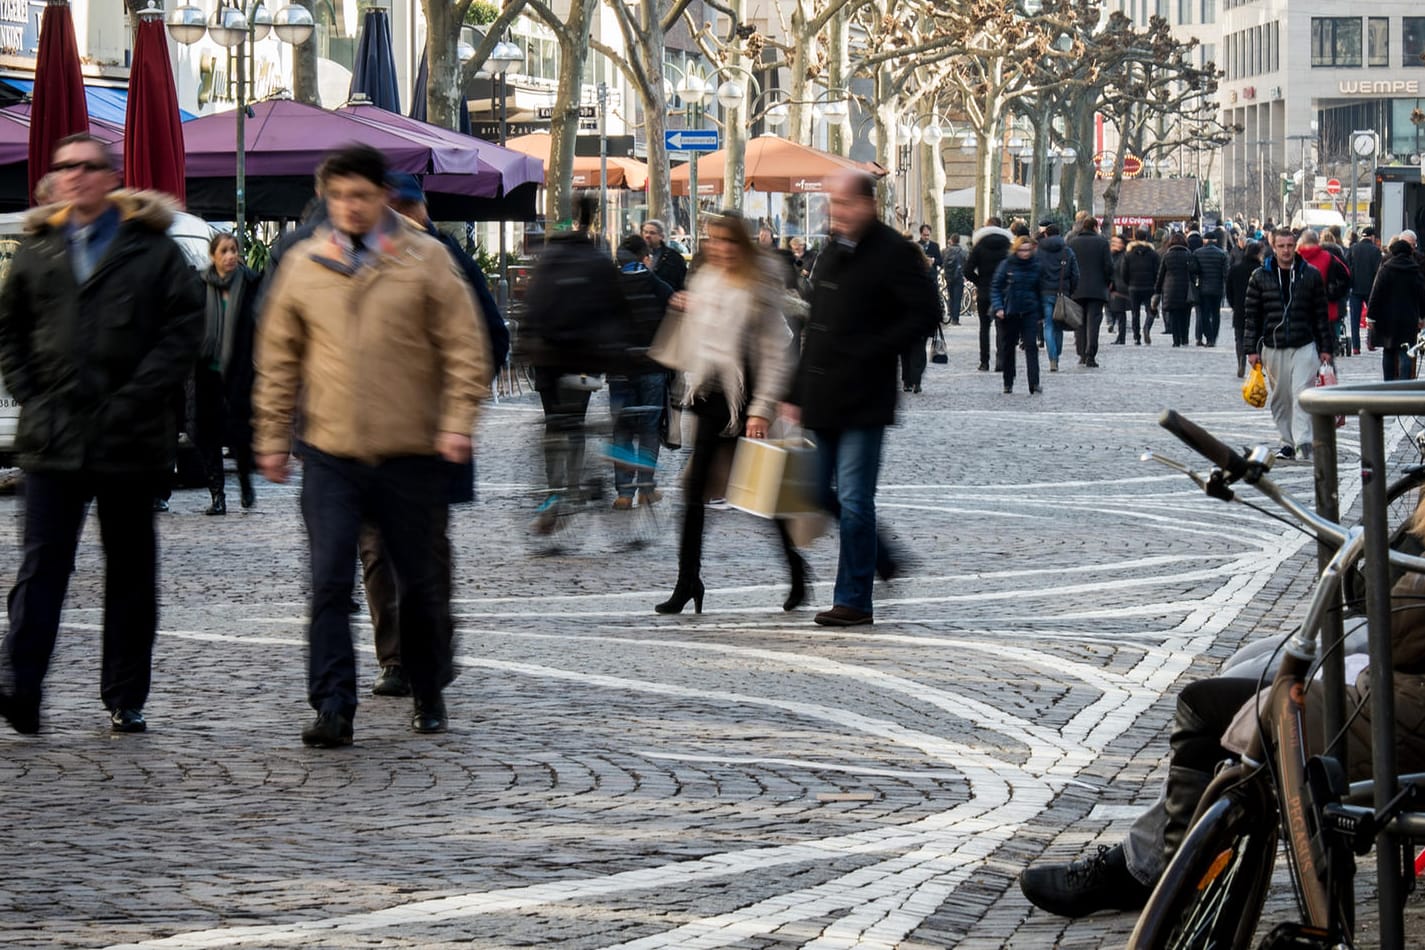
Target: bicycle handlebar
[(1216, 451)]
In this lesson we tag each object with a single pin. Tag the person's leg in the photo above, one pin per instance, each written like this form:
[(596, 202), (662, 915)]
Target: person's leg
[(1093, 326), (987, 323), (1029, 332), (126, 530), (1010, 331), (1214, 319), (332, 494), (54, 516), (382, 599), (712, 415), (1305, 366), (1276, 363), (957, 300), (208, 427), (1053, 335), (1354, 304), (407, 503), (858, 464), (1239, 333), (651, 391), (1142, 306), (623, 403)]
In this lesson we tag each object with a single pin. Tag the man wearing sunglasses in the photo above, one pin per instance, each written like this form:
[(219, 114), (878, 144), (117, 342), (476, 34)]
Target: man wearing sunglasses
[(100, 319)]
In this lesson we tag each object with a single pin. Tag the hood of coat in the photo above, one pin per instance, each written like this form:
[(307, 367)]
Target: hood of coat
[(1395, 262), (988, 230), (1315, 255), (152, 209), (1054, 244), (1138, 247)]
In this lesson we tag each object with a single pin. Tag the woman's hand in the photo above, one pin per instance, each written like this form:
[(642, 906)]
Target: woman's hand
[(999, 314), (756, 427), (679, 301)]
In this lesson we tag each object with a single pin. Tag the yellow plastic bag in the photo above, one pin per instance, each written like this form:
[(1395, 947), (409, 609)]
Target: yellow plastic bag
[(1254, 390)]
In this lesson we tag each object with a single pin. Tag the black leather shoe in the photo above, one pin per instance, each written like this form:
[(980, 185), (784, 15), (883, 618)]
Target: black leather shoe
[(430, 715), (23, 716), (1101, 881), (160, 504), (843, 617), (331, 729), (127, 720), (391, 682)]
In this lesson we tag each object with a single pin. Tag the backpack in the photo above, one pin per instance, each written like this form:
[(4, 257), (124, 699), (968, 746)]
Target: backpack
[(954, 264), (575, 314)]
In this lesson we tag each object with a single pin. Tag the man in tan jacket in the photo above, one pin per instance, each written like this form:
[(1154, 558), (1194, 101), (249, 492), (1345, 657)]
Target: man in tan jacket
[(369, 321)]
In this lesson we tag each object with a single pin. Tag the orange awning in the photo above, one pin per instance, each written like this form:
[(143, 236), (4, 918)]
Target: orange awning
[(773, 164), (627, 173)]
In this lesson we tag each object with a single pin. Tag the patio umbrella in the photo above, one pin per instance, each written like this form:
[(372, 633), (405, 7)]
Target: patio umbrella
[(59, 107), (627, 173), (418, 98), (374, 73), (773, 164), (153, 145)]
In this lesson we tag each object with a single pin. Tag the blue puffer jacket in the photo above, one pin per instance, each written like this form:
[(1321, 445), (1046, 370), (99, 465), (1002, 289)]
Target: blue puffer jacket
[(1015, 288)]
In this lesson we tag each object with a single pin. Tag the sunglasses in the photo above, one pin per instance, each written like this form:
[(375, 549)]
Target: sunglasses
[(61, 167)]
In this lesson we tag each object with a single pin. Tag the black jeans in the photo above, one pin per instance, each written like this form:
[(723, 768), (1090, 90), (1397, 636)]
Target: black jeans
[(1141, 300), (913, 362), (215, 425), (1086, 336), (1179, 323), (405, 498), (55, 506), (1209, 318), (564, 412), (383, 598), (987, 323), (713, 417), (1014, 329)]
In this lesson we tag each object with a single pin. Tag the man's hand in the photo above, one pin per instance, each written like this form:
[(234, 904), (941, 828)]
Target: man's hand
[(679, 300), (1253, 359), (792, 413), (454, 447), (999, 314), (274, 467), (757, 427), (1325, 358)]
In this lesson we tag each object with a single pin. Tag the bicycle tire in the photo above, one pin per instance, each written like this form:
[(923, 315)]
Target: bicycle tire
[(1211, 896), (968, 307)]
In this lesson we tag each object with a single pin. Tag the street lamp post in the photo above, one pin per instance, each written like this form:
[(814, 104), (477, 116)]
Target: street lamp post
[(502, 58), (692, 89), (1363, 146), (240, 26)]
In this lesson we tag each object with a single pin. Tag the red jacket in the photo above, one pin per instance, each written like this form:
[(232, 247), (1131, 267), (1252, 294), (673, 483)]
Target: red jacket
[(1323, 260)]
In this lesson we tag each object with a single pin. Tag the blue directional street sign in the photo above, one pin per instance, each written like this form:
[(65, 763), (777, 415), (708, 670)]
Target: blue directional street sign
[(692, 140)]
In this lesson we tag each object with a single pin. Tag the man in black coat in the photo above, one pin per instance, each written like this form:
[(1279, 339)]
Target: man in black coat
[(1095, 278), (990, 246), (1364, 260), (100, 319), (1140, 270), (1288, 331), (668, 264), (871, 298), (1212, 265)]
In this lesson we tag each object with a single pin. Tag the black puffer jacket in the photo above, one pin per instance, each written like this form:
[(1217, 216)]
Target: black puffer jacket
[(869, 303), (94, 365), (1397, 300), (670, 267), (1140, 266), (991, 246), (1095, 265), (1212, 267), (1058, 267), (1364, 260), (1299, 320), (1177, 271)]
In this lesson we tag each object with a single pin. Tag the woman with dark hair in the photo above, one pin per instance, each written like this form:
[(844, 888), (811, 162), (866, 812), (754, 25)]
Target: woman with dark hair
[(1237, 277), (733, 346), (223, 378), (1177, 271), (1394, 310)]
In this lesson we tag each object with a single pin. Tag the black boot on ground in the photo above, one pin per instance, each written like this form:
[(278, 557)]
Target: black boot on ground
[(248, 495), (219, 505), (1098, 882)]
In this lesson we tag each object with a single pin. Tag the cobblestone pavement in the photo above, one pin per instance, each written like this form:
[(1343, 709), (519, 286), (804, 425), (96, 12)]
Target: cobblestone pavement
[(614, 778)]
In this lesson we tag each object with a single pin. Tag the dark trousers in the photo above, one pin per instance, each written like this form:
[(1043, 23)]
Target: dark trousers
[(383, 598), (1396, 363), (1355, 303), (637, 404), (956, 290), (708, 445), (1086, 336), (1239, 336), (1178, 324), (564, 412), (1209, 318), (987, 323), (405, 498), (1141, 301), (215, 426), (913, 362), (55, 506), (1016, 329)]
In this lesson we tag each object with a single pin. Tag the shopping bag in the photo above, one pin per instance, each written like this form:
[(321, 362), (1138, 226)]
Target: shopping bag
[(1254, 390), (1327, 377), (1068, 313), (670, 424), (773, 478)]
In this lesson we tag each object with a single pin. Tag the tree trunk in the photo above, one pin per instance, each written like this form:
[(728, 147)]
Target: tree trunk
[(443, 93), (799, 121), (933, 188), (734, 129), (887, 147), (564, 126), (839, 137), (304, 65), (1039, 168), (655, 119)]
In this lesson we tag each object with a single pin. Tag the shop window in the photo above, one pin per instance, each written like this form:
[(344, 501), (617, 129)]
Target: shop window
[(1335, 41), (1378, 41), (1412, 41)]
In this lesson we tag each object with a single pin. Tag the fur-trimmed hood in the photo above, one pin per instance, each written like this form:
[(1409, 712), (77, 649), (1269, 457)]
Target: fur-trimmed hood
[(991, 229), (153, 209)]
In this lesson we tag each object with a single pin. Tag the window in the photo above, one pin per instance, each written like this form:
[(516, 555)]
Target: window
[(1378, 41), (1209, 55), (1184, 12), (1209, 11), (1276, 45), (1412, 37), (1162, 8), (1335, 41)]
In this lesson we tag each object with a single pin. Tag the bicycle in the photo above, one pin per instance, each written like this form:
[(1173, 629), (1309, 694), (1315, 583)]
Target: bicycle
[(1212, 892)]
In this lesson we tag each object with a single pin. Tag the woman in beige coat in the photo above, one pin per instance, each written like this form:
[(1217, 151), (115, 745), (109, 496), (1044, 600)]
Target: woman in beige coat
[(733, 346)]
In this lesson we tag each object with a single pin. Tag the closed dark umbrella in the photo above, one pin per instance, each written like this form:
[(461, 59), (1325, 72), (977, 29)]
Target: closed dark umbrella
[(153, 140), (59, 108), (374, 74), (418, 95)]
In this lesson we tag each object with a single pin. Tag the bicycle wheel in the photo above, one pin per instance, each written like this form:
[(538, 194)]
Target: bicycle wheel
[(1211, 895), (967, 302)]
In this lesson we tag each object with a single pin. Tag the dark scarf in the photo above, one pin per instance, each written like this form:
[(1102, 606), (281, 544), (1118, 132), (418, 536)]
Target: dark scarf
[(221, 322)]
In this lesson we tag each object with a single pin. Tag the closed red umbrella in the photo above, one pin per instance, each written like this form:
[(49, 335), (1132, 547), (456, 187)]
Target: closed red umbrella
[(59, 108), (153, 132)]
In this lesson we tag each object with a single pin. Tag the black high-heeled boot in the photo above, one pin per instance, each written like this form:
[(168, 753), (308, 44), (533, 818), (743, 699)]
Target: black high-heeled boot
[(219, 505), (682, 593), (797, 594), (248, 496)]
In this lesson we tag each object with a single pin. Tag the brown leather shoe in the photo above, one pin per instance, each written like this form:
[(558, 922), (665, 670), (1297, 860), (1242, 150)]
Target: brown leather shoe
[(843, 617)]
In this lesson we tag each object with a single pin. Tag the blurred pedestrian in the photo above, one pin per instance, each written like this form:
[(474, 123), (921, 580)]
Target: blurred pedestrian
[(1396, 308), (1364, 260), (222, 379), (1236, 287), (638, 395), (733, 345), (989, 246), (871, 299), (100, 320), (1095, 260), (1018, 305), (371, 323), (1058, 274), (803, 259)]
